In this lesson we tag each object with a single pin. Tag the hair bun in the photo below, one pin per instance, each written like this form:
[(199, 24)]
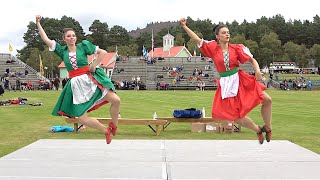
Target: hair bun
[(215, 27)]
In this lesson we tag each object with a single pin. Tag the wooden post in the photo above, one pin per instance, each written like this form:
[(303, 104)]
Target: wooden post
[(75, 126), (157, 130)]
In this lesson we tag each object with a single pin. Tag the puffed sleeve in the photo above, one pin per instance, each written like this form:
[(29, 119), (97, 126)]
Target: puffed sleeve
[(57, 49), (89, 48), (207, 47), (243, 52)]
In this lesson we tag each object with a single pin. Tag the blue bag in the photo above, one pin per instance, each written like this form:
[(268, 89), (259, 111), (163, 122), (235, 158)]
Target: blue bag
[(61, 129), (187, 113)]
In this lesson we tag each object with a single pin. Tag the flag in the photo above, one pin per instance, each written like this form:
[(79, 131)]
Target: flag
[(10, 48), (41, 66), (195, 51), (152, 43), (144, 52)]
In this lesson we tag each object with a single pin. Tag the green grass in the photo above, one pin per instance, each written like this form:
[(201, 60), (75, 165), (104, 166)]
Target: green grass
[(295, 117)]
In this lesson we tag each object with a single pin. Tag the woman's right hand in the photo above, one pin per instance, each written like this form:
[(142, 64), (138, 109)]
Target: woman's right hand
[(183, 21), (38, 18)]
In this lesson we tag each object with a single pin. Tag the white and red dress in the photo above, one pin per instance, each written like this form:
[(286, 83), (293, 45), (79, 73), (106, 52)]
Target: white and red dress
[(238, 92)]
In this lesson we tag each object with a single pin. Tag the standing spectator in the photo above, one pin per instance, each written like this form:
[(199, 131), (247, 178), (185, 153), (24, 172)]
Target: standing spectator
[(64, 81), (18, 84), (1, 90), (203, 85), (56, 83), (6, 83), (138, 79)]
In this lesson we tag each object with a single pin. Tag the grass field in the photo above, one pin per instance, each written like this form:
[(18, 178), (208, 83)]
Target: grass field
[(295, 117)]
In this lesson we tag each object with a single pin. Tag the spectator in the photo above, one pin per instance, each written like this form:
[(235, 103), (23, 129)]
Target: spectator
[(310, 85), (64, 81), (29, 85), (56, 83)]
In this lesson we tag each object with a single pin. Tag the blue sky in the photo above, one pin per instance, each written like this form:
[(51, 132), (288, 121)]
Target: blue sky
[(16, 14)]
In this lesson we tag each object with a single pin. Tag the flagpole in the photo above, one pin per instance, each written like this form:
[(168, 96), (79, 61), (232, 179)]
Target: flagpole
[(152, 44), (10, 48), (41, 66)]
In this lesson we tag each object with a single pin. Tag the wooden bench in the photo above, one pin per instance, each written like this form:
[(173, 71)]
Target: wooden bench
[(148, 122), (237, 128)]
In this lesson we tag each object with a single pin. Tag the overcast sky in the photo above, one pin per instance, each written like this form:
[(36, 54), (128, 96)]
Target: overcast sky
[(15, 15)]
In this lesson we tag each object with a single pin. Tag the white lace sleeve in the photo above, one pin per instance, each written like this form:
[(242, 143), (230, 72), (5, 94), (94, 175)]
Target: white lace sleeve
[(200, 44), (96, 51), (247, 51), (53, 45), (203, 41)]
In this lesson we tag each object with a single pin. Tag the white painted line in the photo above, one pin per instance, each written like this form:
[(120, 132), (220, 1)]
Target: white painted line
[(46, 177), (164, 170), (162, 145)]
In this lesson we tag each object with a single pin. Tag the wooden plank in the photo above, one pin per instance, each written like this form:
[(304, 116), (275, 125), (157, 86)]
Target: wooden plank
[(126, 121), (191, 120), (135, 121)]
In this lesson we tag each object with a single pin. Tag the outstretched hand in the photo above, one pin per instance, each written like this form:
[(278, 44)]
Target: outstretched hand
[(183, 21), (260, 77), (38, 18)]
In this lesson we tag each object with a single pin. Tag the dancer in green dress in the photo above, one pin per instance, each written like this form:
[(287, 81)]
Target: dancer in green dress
[(88, 87)]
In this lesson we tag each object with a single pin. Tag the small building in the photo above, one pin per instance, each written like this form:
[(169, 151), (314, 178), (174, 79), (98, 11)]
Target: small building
[(107, 64), (288, 67), (169, 50)]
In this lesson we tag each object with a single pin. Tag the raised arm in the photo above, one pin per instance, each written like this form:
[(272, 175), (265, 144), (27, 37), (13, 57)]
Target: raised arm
[(192, 35), (42, 33)]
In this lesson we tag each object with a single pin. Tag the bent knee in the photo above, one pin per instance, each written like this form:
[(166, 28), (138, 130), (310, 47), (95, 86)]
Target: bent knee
[(81, 118), (267, 100), (115, 100)]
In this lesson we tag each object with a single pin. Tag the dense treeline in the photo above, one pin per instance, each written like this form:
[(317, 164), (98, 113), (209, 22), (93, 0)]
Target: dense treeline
[(269, 39)]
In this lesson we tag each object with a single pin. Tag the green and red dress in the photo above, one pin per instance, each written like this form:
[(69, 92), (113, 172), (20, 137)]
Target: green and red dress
[(84, 91)]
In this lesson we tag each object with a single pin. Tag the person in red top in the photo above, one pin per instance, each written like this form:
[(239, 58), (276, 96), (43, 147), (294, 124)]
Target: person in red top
[(238, 92), (29, 85)]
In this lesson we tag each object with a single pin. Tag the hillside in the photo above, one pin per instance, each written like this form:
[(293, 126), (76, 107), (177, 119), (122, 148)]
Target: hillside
[(157, 26)]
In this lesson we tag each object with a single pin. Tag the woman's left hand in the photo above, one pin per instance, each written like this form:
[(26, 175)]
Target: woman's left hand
[(92, 68), (260, 77)]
